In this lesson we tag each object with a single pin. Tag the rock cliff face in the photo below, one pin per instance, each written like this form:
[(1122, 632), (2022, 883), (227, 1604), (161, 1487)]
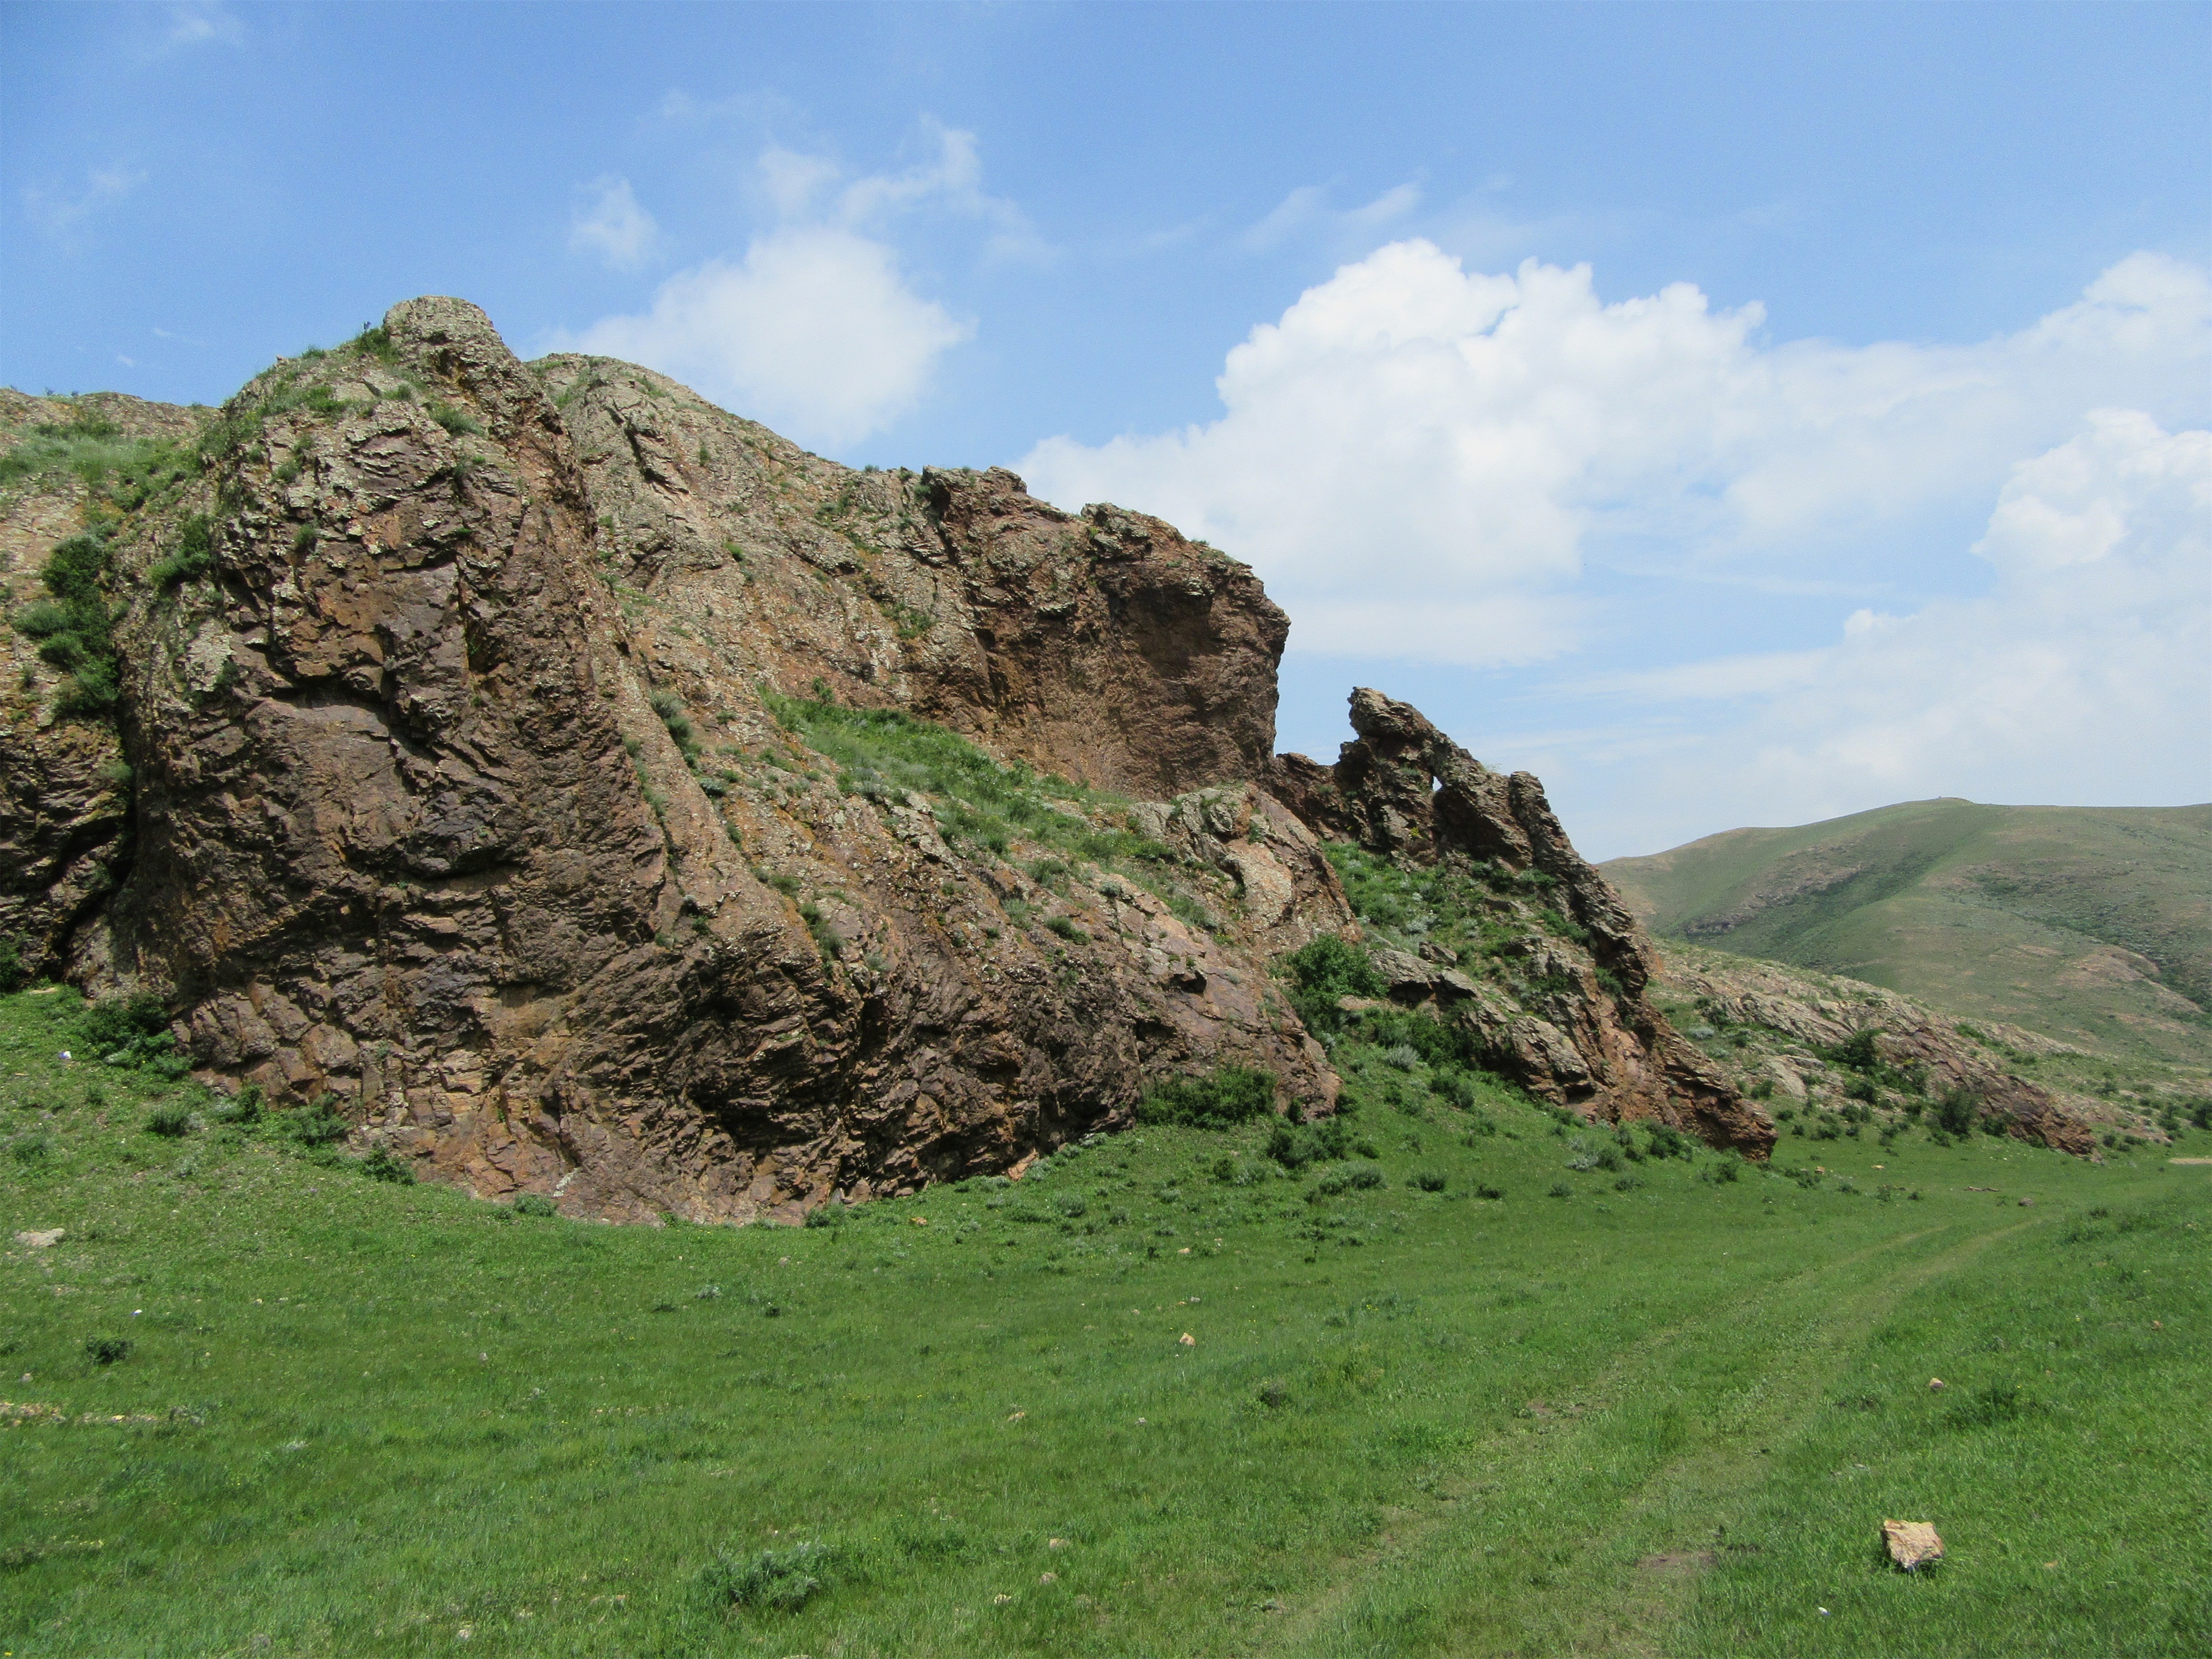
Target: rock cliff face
[(63, 790), (588, 792), (1578, 1030)]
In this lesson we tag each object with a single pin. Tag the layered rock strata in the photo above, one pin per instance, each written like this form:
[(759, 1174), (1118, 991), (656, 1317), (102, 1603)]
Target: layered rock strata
[(506, 775)]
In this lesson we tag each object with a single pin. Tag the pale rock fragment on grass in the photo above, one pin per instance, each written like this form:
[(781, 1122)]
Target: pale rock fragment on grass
[(41, 1241), (1912, 1544)]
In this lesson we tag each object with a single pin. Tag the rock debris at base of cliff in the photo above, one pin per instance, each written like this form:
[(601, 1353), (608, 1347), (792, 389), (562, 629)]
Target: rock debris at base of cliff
[(582, 790)]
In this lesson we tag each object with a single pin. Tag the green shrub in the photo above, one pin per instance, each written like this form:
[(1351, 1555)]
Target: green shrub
[(1228, 1095), (313, 1125), (1067, 930), (535, 1204), (131, 1027), (1956, 1109), (1322, 971), (1296, 1146), (831, 1214), (14, 976), (670, 707), (780, 1581), (107, 1350), (382, 1163), (75, 628), (458, 421), (1857, 1052), (1492, 1193), (193, 555), (1360, 1180), (1560, 1189), (1431, 1180), (244, 1108), (171, 1119)]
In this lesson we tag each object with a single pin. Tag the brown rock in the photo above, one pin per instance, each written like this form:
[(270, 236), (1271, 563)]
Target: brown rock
[(1912, 1544), (414, 831), (1405, 790), (476, 787)]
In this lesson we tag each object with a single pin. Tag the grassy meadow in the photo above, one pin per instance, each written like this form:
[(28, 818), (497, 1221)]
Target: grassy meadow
[(257, 1402)]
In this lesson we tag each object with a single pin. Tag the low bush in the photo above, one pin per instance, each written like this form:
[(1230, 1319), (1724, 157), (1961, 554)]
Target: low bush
[(535, 1204), (780, 1581), (1431, 1180), (1227, 1095), (107, 1350), (243, 1109), (171, 1119), (314, 1125), (1956, 1109), (1296, 1146), (1324, 970), (382, 1163)]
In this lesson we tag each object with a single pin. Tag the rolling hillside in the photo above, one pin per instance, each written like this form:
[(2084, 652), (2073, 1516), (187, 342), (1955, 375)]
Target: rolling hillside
[(2092, 924)]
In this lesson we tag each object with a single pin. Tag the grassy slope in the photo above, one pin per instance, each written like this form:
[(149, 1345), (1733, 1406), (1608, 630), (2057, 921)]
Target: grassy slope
[(1982, 909), (360, 1418)]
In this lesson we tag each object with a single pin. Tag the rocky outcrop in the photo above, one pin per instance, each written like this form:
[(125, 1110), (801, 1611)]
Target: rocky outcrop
[(1779, 1029), (1104, 646), (585, 791), (1577, 1028), (452, 809), (64, 789)]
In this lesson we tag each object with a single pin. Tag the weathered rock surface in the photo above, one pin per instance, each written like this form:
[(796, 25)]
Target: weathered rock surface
[(63, 817), (1405, 790), (1777, 1025), (502, 782)]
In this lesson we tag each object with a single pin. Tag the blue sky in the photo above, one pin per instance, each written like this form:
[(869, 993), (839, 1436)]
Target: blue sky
[(1733, 414)]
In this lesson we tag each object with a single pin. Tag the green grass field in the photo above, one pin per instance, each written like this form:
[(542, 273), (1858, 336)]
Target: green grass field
[(2013, 913), (1665, 1414)]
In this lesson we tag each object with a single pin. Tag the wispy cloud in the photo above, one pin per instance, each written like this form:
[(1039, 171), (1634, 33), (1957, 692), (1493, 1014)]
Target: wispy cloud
[(63, 215), (204, 25), (1307, 211), (613, 226)]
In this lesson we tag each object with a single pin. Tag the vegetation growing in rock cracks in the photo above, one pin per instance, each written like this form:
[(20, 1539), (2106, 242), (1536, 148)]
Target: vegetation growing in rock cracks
[(268, 1402)]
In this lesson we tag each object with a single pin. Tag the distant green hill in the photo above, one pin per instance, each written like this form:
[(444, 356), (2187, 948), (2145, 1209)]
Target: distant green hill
[(2093, 924)]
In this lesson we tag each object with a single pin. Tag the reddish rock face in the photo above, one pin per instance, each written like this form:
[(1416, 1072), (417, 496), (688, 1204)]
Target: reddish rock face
[(508, 780), (417, 830)]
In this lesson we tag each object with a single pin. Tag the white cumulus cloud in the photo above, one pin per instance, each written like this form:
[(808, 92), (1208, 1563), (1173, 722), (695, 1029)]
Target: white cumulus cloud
[(1412, 436), (614, 226), (814, 330), (813, 333), (1461, 470)]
